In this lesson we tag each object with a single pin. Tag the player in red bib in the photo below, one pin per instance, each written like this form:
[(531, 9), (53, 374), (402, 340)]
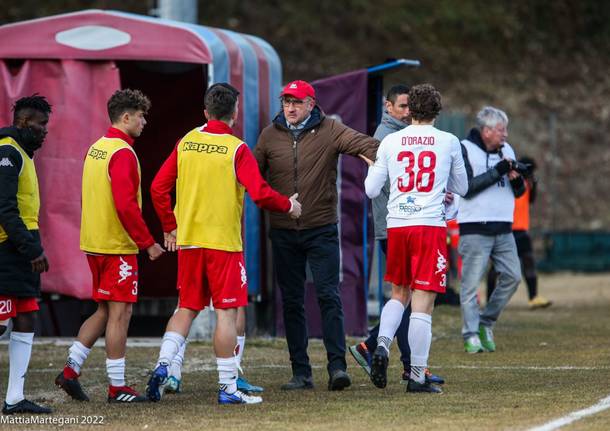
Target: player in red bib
[(423, 163)]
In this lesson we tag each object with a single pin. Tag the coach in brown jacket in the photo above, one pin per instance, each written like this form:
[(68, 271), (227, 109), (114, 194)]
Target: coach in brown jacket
[(298, 153)]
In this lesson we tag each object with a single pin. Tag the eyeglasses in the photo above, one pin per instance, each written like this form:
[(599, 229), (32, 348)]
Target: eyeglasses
[(295, 102)]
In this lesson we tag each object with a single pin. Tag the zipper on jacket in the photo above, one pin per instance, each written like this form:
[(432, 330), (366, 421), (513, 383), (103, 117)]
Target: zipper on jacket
[(296, 188), (294, 153)]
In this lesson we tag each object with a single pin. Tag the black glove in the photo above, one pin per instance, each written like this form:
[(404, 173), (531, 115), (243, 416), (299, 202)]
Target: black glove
[(503, 167)]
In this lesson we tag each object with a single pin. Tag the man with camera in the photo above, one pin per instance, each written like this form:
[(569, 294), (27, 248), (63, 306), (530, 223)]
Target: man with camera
[(485, 218)]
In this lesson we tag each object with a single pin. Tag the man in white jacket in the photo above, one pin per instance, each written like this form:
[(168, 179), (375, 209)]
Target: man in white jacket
[(423, 163), (485, 217)]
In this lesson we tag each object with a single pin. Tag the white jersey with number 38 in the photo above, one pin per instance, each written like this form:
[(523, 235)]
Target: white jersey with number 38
[(422, 163)]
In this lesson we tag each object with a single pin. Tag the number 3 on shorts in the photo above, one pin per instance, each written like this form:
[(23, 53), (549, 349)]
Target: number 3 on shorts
[(134, 291)]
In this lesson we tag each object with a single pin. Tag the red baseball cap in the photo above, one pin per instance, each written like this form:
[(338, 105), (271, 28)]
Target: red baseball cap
[(299, 89)]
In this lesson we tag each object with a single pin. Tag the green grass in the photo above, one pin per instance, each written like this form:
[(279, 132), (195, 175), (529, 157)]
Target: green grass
[(548, 363)]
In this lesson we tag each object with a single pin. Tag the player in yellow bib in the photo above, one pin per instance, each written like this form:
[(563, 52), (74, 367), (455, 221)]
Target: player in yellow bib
[(22, 258), (211, 169), (112, 232)]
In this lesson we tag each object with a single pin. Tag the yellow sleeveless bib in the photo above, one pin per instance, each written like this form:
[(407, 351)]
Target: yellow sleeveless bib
[(28, 196), (101, 230), (209, 200)]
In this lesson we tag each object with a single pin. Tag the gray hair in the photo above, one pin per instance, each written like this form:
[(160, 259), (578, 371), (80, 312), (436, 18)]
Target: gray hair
[(490, 117)]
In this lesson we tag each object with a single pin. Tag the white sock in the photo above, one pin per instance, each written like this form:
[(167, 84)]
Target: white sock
[(175, 368), (19, 353), (77, 355), (227, 374), (115, 368), (172, 341), (391, 315), (420, 338), (239, 349)]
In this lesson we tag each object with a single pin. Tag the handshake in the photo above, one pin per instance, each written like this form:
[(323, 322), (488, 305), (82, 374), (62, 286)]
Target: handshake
[(504, 166), (295, 207)]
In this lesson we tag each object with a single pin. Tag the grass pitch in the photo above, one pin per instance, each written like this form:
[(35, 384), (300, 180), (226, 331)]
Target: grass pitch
[(549, 363)]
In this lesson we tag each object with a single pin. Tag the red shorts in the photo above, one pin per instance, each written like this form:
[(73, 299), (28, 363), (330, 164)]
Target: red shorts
[(11, 305), (204, 273), (115, 277), (417, 257)]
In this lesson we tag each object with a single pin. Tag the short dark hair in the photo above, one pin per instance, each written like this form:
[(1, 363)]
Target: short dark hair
[(35, 102), (396, 91), (126, 100), (424, 102), (220, 101)]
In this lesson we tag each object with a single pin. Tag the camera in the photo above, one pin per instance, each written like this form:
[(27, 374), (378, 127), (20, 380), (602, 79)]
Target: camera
[(524, 169)]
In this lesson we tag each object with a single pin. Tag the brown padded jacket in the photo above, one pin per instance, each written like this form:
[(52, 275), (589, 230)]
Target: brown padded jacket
[(307, 164)]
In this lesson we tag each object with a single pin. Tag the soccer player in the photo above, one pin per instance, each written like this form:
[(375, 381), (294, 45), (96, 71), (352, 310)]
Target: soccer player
[(22, 257), (112, 232), (422, 163), (211, 169), (395, 117)]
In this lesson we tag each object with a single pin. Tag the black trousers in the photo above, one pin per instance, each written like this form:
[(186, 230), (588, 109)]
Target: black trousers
[(292, 249)]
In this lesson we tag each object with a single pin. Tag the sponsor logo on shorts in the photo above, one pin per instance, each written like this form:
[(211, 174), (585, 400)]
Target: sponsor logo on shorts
[(410, 207), (103, 292), (228, 300), (424, 283), (441, 262), (96, 154), (6, 162), (205, 148), (244, 278), (124, 270)]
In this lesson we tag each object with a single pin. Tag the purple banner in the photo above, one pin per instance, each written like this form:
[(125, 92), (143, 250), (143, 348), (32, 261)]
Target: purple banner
[(344, 97)]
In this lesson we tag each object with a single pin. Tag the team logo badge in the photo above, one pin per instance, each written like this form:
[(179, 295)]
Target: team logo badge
[(244, 278), (6, 162), (441, 262), (125, 270)]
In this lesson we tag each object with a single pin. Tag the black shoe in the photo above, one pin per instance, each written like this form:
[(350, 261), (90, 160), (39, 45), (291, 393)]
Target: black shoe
[(298, 382), (24, 406), (430, 378), (414, 386), (338, 380), (379, 367), (124, 394), (72, 387)]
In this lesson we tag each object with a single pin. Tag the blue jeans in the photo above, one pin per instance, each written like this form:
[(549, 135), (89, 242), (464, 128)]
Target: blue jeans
[(476, 250)]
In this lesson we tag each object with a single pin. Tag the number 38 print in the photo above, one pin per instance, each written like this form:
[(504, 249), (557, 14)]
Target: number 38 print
[(420, 176)]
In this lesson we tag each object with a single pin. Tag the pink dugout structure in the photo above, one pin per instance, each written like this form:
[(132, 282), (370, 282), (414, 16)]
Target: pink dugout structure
[(77, 60)]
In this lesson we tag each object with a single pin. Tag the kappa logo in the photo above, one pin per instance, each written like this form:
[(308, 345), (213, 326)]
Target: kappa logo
[(96, 154), (293, 86), (441, 262), (244, 278), (205, 148), (6, 162), (124, 270)]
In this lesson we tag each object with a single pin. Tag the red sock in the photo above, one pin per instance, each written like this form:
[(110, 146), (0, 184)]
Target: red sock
[(69, 373)]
